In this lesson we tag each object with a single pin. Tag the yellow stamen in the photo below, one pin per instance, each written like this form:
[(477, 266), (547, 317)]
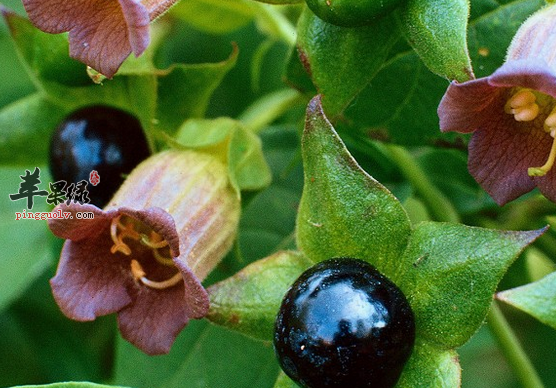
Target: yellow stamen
[(154, 242), (541, 171), (523, 106), (139, 274), (119, 245), (163, 259), (550, 122)]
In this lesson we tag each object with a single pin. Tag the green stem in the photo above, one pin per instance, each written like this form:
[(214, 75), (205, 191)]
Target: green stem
[(268, 108), (438, 205), (273, 22), (518, 360)]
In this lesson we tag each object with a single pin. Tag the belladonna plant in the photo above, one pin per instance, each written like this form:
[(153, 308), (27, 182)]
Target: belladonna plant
[(512, 115), (144, 256), (102, 33)]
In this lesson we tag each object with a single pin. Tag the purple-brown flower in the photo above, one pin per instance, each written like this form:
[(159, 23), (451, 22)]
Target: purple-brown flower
[(102, 33), (512, 115), (144, 256)]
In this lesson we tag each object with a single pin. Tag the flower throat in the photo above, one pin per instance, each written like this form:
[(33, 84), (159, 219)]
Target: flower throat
[(526, 105), (124, 227)]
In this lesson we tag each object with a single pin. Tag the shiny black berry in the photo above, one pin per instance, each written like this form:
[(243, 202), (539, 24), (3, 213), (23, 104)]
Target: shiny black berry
[(107, 140), (343, 324)]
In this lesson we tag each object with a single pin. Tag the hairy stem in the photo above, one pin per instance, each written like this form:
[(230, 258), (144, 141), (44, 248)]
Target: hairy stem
[(438, 205), (518, 360)]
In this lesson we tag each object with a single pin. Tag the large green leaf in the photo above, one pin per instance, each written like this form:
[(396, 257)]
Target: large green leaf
[(214, 16), (344, 212), (248, 301), (24, 126), (450, 275), (203, 356), (537, 299), (340, 60), (400, 103), (24, 256)]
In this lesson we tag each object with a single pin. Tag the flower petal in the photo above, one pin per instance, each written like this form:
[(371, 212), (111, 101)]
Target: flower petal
[(547, 184), (534, 75), (90, 281), (466, 107), (500, 155), (154, 318), (68, 226), (102, 33)]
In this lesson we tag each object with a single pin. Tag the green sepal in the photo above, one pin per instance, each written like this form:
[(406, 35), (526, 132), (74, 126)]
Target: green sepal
[(344, 212), (234, 144), (450, 273), (283, 381), (249, 301), (184, 91), (342, 61), (437, 31), (431, 367), (537, 299)]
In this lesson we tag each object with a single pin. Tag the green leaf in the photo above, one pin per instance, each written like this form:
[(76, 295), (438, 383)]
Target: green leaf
[(284, 381), (537, 299), (437, 31), (430, 367), (340, 60), (234, 144), (344, 212), (24, 256), (45, 55), (249, 301), (184, 91), (268, 219), (214, 16), (205, 356), (400, 104), (24, 126), (72, 384), (451, 273)]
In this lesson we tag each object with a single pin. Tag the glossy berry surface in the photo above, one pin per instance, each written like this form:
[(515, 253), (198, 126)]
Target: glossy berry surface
[(99, 138), (343, 324)]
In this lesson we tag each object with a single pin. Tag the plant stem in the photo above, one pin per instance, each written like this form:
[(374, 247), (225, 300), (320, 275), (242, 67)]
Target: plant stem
[(268, 108), (273, 22), (439, 206), (518, 360)]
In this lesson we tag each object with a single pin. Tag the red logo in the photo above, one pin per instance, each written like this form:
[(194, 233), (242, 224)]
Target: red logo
[(94, 178)]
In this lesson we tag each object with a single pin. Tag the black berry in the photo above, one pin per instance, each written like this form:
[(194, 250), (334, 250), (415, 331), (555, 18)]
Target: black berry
[(343, 324), (99, 138)]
